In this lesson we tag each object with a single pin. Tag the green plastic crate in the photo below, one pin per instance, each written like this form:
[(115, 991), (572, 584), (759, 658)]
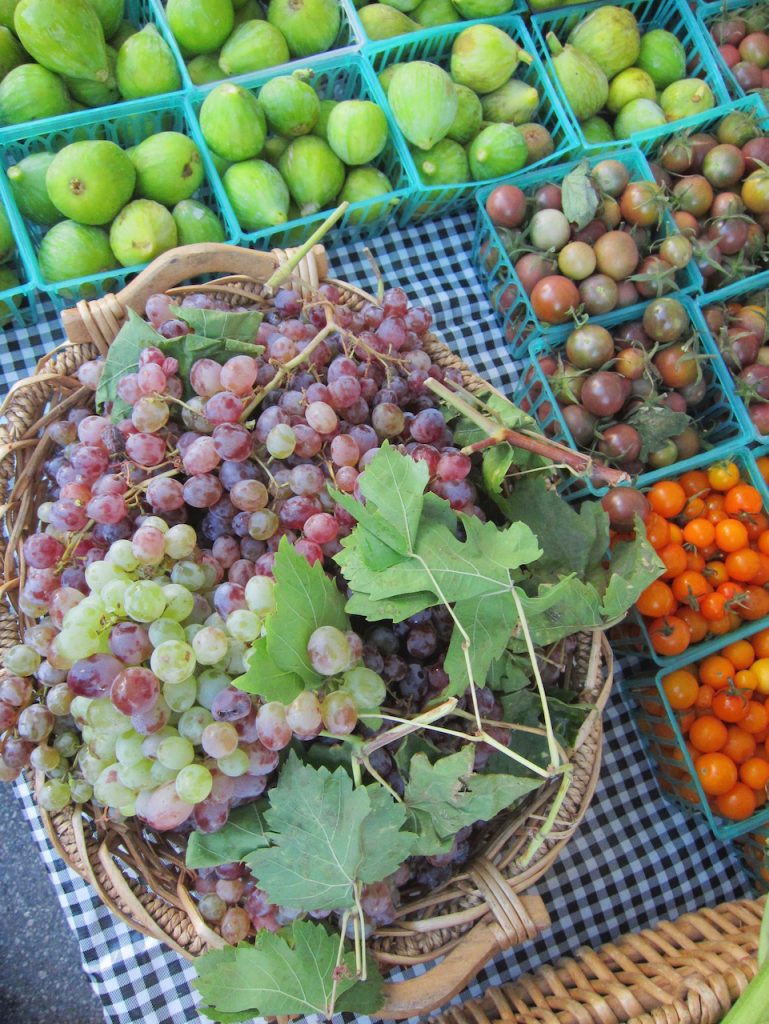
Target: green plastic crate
[(348, 41), (435, 45), (141, 13), (672, 15), (517, 7), (128, 125), (670, 757), (502, 285), (334, 78)]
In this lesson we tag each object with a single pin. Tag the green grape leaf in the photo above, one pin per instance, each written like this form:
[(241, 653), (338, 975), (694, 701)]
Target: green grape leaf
[(657, 424), (634, 566), (306, 599), (244, 832), (579, 196), (558, 610), (326, 836), (394, 609), (264, 678), (218, 323), (122, 359), (496, 465), (188, 348), (488, 621), (291, 972), (414, 743), (447, 795)]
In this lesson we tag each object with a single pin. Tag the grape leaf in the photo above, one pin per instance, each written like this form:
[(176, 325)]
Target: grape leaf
[(306, 599), (291, 972), (122, 359), (656, 424), (395, 609), (488, 620), (265, 678), (219, 323), (634, 565), (243, 833), (446, 796), (188, 348), (326, 836), (579, 196)]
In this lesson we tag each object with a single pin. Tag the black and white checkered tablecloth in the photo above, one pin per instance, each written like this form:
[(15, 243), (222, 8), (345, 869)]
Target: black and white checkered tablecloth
[(634, 860)]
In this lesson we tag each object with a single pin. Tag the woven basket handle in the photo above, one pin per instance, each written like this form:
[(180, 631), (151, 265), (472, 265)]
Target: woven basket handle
[(97, 322), (417, 996)]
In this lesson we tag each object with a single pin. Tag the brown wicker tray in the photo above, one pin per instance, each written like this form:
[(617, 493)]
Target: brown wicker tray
[(141, 875)]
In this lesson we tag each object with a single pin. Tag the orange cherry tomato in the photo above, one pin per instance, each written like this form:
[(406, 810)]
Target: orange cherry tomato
[(744, 679), (731, 707), (713, 607), (689, 586), (763, 466), (699, 532), (674, 557), (681, 689), (694, 482), (755, 773), (755, 525), (657, 600), (676, 533), (695, 621), (714, 502), (753, 604), (708, 734), (667, 498), (722, 476), (756, 719), (716, 671), (740, 653), (722, 626), (657, 530), (742, 498), (738, 804), (715, 573), (743, 565), (761, 578), (669, 635), (731, 591), (731, 535), (760, 640), (695, 560), (694, 509), (704, 698), (740, 745), (716, 772), (763, 543)]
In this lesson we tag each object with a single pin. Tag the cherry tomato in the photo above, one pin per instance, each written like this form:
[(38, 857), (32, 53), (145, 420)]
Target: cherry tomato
[(731, 535), (719, 627), (763, 466), (742, 498), (755, 773), (753, 604), (695, 509), (762, 576), (756, 719), (554, 299), (681, 689), (742, 565), (740, 653), (708, 734), (715, 573), (696, 623), (744, 679), (716, 772), (667, 498), (674, 557), (738, 804), (760, 643), (694, 482), (676, 533), (740, 745), (699, 532), (657, 600), (722, 476), (730, 707), (760, 669), (717, 671), (713, 607), (695, 561), (657, 530), (756, 525), (669, 635), (689, 586)]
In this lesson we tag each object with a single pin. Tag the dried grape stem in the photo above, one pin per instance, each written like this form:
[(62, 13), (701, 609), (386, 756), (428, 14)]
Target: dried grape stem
[(338, 964), (547, 825), (286, 269), (551, 744)]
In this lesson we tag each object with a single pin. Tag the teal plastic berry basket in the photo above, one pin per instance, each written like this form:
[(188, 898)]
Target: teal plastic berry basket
[(706, 14), (516, 7), (339, 79), (18, 304), (755, 852), (348, 41), (428, 201), (663, 741), (127, 126), (673, 15), (749, 471), (650, 143), (501, 283), (139, 13), (716, 415)]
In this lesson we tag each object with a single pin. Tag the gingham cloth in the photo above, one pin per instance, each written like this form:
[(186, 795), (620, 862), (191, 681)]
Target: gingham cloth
[(634, 860)]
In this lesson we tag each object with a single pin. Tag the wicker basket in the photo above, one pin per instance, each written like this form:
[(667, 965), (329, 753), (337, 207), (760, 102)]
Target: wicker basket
[(687, 971), (140, 875)]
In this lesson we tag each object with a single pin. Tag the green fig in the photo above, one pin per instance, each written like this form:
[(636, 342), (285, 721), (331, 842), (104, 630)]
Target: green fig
[(385, 76), (309, 26), (204, 69), (141, 231), (423, 101), (11, 54), (146, 66), (445, 163), (274, 148), (638, 116), (380, 21), (74, 250), (168, 168), (125, 30), (248, 11), (469, 116), (584, 84), (8, 281), (258, 195), (220, 164), (313, 172), (196, 223), (685, 98), (499, 149), (64, 36), (662, 57), (238, 5), (233, 122), (630, 84), (471, 10), (200, 26), (110, 14), (483, 57), (27, 181), (96, 94), (7, 8), (7, 243), (89, 182), (363, 184), (539, 141), (252, 46), (515, 102), (321, 125), (431, 13), (402, 5), (609, 35), (357, 131), (597, 129), (291, 105)]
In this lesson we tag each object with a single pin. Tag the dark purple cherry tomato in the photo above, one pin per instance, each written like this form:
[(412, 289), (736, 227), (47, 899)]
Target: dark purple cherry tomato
[(581, 423), (621, 443), (622, 505), (604, 393)]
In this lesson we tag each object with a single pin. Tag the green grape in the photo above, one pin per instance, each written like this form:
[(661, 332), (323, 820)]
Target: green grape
[(175, 752), (236, 661), (63, 660), (44, 511), (189, 575), (192, 723), (162, 579), (60, 771), (103, 716), (103, 746), (328, 650), (193, 783), (22, 660), (209, 576), (136, 776), (244, 625), (67, 742), (281, 441), (54, 795), (234, 764), (179, 601), (128, 810), (366, 688), (81, 790), (45, 758), (210, 645), (165, 629), (59, 699), (181, 696), (215, 620), (99, 574), (156, 523), (79, 709), (173, 661), (112, 594), (161, 774), (121, 554), (191, 631), (87, 615), (90, 766), (144, 601), (109, 790), (128, 748), (260, 595), (180, 541), (88, 733), (211, 682)]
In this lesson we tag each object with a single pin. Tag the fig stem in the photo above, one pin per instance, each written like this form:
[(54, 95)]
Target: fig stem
[(553, 44), (525, 57), (287, 268)]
